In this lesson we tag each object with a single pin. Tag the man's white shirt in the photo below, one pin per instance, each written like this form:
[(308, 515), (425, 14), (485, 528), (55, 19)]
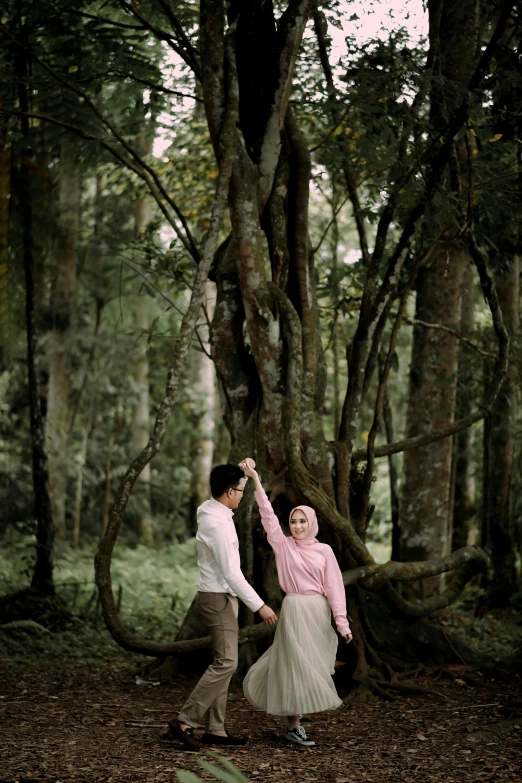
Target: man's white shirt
[(218, 555)]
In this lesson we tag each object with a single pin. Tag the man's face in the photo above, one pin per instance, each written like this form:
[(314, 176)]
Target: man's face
[(235, 494)]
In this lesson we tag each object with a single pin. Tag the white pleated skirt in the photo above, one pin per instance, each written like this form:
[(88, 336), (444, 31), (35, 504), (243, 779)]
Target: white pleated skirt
[(294, 676)]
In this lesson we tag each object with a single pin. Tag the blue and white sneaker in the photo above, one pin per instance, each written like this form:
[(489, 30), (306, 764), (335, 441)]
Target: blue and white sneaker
[(298, 736)]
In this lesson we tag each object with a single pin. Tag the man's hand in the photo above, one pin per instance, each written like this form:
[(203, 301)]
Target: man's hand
[(348, 638), (267, 615)]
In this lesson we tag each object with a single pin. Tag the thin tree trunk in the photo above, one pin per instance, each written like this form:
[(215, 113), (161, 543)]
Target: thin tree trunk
[(63, 297), (334, 253), (5, 188), (203, 403), (140, 426), (42, 579), (464, 484), (502, 448), (394, 479), (81, 458), (108, 462)]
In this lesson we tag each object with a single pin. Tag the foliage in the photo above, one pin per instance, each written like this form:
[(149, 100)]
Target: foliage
[(230, 773), (157, 587)]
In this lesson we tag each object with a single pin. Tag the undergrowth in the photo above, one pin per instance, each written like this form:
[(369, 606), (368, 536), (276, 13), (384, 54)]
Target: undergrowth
[(155, 588), (497, 634)]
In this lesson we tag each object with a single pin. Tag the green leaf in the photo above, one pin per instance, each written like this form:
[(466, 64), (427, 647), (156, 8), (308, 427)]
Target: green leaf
[(240, 778), (220, 774), (187, 777)]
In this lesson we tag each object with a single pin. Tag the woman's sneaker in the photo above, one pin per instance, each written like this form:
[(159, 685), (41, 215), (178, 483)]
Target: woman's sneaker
[(298, 736)]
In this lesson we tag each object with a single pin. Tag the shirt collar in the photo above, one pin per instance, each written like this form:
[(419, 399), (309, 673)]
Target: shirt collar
[(217, 506)]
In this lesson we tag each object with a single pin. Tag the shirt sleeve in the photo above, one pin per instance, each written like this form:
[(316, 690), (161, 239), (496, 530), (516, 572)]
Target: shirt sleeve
[(226, 552), (334, 591), (274, 533)]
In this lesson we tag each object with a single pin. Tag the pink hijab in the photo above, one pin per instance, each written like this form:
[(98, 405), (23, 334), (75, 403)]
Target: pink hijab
[(313, 525)]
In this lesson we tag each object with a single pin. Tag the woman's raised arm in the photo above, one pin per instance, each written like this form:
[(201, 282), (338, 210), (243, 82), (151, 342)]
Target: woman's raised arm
[(274, 533)]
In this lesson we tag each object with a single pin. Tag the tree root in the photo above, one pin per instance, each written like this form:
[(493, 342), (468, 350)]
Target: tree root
[(460, 674), (367, 689), (410, 687)]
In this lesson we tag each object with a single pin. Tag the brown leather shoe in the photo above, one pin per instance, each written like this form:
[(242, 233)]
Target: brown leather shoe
[(185, 735), (216, 739)]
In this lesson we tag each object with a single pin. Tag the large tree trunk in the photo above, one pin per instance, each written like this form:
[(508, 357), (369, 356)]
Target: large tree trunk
[(427, 485), (62, 306), (501, 449), (425, 505)]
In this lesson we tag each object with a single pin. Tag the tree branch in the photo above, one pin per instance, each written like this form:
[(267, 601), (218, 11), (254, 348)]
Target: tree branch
[(94, 17), (162, 36), (319, 28), (371, 577), (175, 374), (465, 340), (151, 177), (290, 30), (302, 478), (374, 577)]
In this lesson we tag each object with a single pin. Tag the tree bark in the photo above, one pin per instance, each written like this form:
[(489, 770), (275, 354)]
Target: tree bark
[(62, 306), (425, 502)]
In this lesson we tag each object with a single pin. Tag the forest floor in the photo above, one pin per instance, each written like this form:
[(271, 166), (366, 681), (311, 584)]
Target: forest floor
[(79, 724)]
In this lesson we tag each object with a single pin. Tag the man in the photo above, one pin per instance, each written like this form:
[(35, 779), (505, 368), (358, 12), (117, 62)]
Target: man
[(220, 584)]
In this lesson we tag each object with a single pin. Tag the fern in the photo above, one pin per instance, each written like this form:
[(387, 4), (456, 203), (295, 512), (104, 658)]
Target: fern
[(230, 773)]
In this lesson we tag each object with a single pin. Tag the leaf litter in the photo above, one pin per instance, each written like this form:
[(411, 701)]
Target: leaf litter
[(86, 725)]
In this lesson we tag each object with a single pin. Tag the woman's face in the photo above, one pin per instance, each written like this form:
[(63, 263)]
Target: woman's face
[(299, 525)]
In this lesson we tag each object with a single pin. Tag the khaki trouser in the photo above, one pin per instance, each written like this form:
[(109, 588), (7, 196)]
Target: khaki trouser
[(207, 703)]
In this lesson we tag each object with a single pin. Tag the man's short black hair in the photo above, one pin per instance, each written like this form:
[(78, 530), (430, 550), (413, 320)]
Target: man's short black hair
[(223, 477)]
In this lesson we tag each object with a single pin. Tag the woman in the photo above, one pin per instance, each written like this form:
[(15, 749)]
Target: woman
[(293, 677)]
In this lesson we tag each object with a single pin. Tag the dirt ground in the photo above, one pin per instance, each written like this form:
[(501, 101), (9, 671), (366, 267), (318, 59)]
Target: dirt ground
[(89, 725)]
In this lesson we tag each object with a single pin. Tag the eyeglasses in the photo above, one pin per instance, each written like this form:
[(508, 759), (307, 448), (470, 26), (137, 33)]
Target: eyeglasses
[(237, 490)]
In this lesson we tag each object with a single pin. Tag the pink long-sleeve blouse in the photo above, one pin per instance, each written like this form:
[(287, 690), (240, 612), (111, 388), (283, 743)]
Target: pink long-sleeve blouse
[(306, 567)]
